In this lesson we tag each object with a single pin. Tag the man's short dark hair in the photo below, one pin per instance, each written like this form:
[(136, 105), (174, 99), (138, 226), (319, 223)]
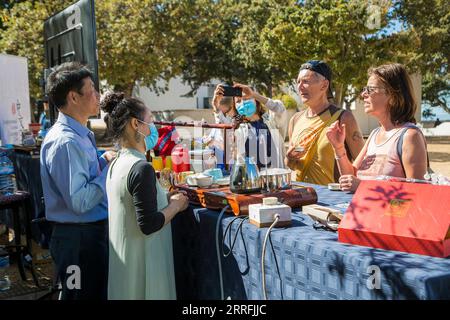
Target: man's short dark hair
[(66, 77)]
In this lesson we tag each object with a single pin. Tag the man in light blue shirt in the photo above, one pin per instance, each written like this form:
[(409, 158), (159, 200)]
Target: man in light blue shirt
[(73, 180), (74, 176)]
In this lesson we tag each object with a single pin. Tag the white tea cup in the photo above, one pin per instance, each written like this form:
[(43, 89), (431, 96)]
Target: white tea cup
[(204, 181)]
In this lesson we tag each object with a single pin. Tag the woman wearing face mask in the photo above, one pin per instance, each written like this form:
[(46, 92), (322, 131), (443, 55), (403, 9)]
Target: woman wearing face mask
[(263, 140), (140, 238)]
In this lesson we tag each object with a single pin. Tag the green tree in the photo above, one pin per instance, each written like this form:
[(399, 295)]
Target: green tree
[(260, 69), (428, 22), (428, 113), (214, 56), (233, 51), (6, 6), (336, 31), (145, 40), (289, 102), (23, 35), (138, 40), (262, 43)]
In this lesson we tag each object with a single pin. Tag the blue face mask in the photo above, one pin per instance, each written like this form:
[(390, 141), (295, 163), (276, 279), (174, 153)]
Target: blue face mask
[(246, 108), (152, 138)]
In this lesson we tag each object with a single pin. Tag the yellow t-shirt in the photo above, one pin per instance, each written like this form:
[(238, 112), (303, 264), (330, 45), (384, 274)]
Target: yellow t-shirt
[(309, 133)]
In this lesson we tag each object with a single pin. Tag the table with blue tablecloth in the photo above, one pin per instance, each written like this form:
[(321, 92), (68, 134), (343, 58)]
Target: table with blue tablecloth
[(301, 261)]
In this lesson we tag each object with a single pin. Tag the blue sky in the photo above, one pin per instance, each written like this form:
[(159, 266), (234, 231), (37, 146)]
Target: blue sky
[(440, 113)]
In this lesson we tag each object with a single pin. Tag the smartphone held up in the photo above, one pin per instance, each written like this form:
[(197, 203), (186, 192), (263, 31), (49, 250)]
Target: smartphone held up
[(230, 91)]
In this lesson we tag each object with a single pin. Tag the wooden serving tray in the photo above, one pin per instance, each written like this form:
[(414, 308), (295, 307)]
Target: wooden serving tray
[(216, 198), (196, 195)]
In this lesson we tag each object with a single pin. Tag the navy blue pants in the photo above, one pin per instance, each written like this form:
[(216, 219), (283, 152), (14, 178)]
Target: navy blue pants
[(80, 253)]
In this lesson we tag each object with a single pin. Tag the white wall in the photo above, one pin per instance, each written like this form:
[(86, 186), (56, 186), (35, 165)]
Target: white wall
[(441, 130), (170, 100), (14, 89)]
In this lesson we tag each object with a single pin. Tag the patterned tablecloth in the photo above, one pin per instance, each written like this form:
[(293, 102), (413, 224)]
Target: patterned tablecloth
[(301, 262)]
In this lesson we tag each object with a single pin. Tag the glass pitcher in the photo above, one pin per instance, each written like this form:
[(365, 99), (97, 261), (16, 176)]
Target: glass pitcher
[(245, 176)]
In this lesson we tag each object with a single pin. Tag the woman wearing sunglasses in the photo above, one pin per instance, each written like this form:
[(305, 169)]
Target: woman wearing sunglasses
[(397, 148), (140, 211)]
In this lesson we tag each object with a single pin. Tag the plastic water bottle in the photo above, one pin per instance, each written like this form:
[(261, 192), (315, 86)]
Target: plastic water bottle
[(5, 283)]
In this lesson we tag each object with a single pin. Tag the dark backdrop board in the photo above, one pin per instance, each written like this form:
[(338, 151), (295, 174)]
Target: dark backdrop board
[(70, 35)]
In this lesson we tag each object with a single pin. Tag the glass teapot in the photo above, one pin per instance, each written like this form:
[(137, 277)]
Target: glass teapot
[(245, 176)]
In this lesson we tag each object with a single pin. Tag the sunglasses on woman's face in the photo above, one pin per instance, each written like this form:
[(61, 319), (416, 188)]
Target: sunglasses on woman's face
[(371, 89)]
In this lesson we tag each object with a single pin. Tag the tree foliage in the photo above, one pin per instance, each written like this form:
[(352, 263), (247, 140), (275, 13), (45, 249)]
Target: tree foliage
[(428, 113), (334, 31), (428, 23), (138, 40), (24, 35), (146, 40), (259, 42)]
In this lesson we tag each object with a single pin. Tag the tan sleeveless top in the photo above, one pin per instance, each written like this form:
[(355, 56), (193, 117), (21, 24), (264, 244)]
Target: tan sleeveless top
[(309, 133)]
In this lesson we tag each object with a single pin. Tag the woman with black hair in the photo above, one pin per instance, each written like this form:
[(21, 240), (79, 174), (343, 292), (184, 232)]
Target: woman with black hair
[(140, 237)]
